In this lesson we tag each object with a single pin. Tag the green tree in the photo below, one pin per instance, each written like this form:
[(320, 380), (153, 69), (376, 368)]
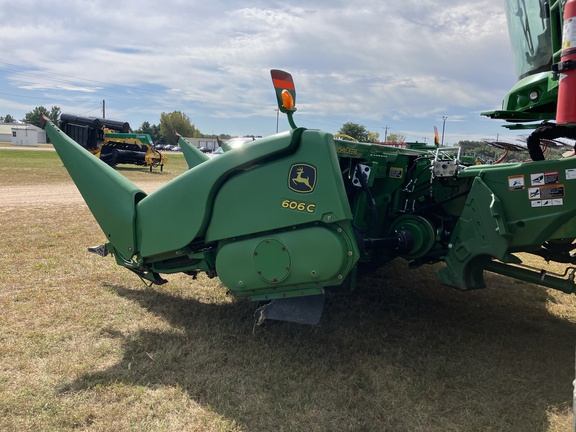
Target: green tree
[(34, 117), (355, 130), (480, 149), (176, 121), (7, 119), (466, 145), (152, 130), (396, 137), (373, 137)]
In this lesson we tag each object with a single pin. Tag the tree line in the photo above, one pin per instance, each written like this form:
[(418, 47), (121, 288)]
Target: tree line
[(33, 117), (177, 121), (360, 133)]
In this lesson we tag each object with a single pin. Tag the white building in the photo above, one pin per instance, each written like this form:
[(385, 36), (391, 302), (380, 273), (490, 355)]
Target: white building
[(22, 134)]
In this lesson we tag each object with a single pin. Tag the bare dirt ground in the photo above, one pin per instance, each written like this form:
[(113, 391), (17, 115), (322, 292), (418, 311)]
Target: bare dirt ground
[(41, 196), (43, 147), (62, 193), (16, 196)]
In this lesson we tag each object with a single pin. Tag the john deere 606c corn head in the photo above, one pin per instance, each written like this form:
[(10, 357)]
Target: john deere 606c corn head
[(286, 218)]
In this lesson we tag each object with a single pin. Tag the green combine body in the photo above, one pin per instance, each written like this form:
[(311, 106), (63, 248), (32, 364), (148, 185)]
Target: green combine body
[(289, 217)]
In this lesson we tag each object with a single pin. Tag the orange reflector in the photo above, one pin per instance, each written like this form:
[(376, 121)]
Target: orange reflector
[(287, 100), (284, 84)]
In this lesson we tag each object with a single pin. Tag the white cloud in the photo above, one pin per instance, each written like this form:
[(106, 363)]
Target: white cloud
[(367, 60)]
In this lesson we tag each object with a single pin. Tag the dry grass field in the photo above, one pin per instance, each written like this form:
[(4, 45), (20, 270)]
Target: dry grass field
[(85, 346)]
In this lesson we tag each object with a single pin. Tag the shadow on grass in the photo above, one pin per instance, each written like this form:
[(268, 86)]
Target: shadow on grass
[(405, 355)]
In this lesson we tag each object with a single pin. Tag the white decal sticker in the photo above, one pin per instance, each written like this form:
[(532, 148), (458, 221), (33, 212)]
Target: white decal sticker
[(537, 179), (546, 192), (516, 182), (534, 193)]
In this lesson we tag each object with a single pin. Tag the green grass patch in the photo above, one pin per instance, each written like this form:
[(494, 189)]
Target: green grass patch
[(29, 167)]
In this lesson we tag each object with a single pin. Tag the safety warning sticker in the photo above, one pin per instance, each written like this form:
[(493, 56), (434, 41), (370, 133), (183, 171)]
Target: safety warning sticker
[(546, 192), (571, 174), (547, 203), (545, 178), (396, 172), (516, 182), (569, 33)]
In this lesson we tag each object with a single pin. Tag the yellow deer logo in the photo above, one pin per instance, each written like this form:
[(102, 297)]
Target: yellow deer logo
[(302, 178)]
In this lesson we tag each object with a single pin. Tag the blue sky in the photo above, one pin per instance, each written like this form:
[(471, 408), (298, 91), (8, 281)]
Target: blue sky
[(401, 65)]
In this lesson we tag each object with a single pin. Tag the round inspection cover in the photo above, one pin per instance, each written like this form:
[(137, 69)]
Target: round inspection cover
[(272, 261)]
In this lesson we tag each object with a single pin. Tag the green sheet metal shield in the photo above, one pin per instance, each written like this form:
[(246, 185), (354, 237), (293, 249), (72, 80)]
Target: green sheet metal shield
[(272, 260)]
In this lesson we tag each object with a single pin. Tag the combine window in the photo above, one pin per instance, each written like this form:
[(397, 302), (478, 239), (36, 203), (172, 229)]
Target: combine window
[(529, 27)]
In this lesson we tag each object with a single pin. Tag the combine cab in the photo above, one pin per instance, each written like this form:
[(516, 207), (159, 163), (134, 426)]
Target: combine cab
[(112, 141), (543, 41)]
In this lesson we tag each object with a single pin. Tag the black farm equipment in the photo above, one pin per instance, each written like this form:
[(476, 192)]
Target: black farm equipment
[(112, 141)]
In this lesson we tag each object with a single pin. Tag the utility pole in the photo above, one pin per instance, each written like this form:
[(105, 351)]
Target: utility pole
[(385, 132), (443, 127), (277, 116), (103, 108)]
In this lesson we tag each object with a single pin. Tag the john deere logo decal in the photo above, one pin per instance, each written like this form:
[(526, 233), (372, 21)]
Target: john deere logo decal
[(302, 178)]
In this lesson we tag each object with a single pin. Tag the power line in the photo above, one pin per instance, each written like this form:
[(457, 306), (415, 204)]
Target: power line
[(106, 89), (43, 74), (27, 97), (117, 91), (86, 112)]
